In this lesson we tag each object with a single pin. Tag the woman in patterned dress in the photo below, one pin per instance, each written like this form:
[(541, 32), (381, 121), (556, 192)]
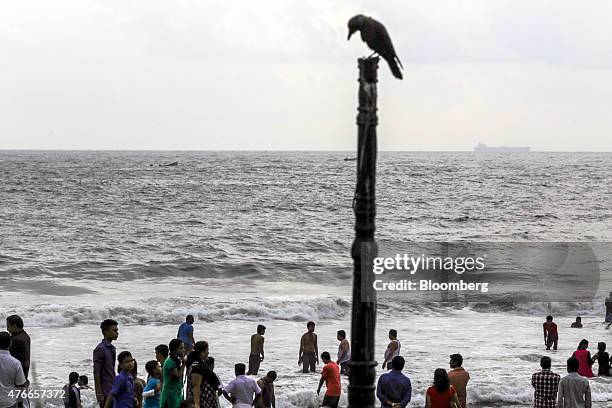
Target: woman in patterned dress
[(212, 386), (202, 383)]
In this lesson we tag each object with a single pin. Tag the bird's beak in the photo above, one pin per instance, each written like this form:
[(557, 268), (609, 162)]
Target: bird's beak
[(351, 31)]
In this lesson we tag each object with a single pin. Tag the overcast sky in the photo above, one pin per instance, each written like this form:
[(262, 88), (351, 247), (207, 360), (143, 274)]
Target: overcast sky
[(280, 75)]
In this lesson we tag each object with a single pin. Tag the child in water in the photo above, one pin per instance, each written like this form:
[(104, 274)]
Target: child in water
[(72, 394), (122, 393), (83, 382), (603, 360), (152, 390)]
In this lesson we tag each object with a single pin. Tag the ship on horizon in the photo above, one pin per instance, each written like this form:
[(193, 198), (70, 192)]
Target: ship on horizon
[(483, 148)]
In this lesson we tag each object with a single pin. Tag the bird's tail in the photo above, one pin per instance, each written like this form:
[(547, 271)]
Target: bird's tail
[(395, 69), (399, 62)]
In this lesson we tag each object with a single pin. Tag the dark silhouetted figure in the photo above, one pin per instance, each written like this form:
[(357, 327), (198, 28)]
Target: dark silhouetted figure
[(375, 35)]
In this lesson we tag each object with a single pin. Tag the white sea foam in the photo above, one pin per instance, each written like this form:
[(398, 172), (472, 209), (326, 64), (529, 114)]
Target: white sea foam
[(166, 311), (500, 361), (299, 399)]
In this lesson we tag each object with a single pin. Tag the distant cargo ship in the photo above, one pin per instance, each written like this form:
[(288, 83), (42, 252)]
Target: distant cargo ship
[(483, 148)]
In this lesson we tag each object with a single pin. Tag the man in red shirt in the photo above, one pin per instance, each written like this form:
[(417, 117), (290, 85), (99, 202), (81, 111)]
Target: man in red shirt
[(330, 374), (551, 336)]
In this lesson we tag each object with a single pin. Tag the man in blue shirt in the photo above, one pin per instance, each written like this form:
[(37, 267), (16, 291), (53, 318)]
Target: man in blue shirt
[(122, 394), (185, 333), (394, 388)]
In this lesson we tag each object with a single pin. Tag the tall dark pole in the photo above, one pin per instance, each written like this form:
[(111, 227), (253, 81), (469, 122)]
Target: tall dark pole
[(361, 390)]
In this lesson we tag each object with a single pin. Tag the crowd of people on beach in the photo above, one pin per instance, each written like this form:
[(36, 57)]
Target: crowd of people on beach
[(182, 374), (573, 390), (582, 354)]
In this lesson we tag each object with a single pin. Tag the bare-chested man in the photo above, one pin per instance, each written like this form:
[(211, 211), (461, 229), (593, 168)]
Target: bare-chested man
[(309, 350), (257, 352)]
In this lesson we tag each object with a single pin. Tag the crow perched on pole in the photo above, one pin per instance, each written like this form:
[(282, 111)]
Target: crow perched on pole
[(375, 35)]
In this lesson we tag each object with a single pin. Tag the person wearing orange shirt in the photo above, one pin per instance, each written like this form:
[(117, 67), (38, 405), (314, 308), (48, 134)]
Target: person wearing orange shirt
[(459, 378), (330, 375)]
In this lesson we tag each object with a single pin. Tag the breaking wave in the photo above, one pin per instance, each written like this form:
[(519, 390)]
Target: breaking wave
[(169, 311)]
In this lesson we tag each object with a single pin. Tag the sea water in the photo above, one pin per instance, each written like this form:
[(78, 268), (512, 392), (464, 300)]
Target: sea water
[(240, 239)]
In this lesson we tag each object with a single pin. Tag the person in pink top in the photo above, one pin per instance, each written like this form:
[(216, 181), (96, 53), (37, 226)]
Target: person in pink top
[(584, 359)]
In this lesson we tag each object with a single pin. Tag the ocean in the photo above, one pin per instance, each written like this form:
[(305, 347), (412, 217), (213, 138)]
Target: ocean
[(245, 238)]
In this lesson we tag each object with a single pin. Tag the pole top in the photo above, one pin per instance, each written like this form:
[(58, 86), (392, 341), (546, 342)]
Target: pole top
[(368, 68)]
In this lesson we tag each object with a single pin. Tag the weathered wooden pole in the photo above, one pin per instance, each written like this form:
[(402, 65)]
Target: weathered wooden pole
[(362, 374)]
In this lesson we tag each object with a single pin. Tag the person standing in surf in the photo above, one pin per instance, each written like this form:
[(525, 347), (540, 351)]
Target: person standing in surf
[(330, 375), (20, 347), (551, 335), (185, 333), (393, 349), (459, 378), (242, 391), (11, 373), (603, 360), (267, 399), (104, 361), (545, 385), (344, 352), (308, 355), (139, 385), (172, 374), (608, 304), (257, 353), (72, 393), (394, 389), (161, 353), (122, 394), (20, 342), (574, 390), (441, 394), (152, 390), (202, 383)]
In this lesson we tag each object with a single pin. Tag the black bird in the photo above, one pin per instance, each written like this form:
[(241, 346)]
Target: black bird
[(375, 35)]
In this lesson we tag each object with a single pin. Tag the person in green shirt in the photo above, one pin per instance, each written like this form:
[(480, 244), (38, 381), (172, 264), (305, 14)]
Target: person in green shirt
[(172, 389)]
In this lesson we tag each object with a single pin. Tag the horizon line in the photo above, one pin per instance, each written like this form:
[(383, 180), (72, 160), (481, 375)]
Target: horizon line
[(285, 150)]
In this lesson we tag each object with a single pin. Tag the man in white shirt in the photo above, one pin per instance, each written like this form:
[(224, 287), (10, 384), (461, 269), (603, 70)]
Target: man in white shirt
[(242, 391), (11, 373), (344, 352), (393, 349), (574, 390)]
